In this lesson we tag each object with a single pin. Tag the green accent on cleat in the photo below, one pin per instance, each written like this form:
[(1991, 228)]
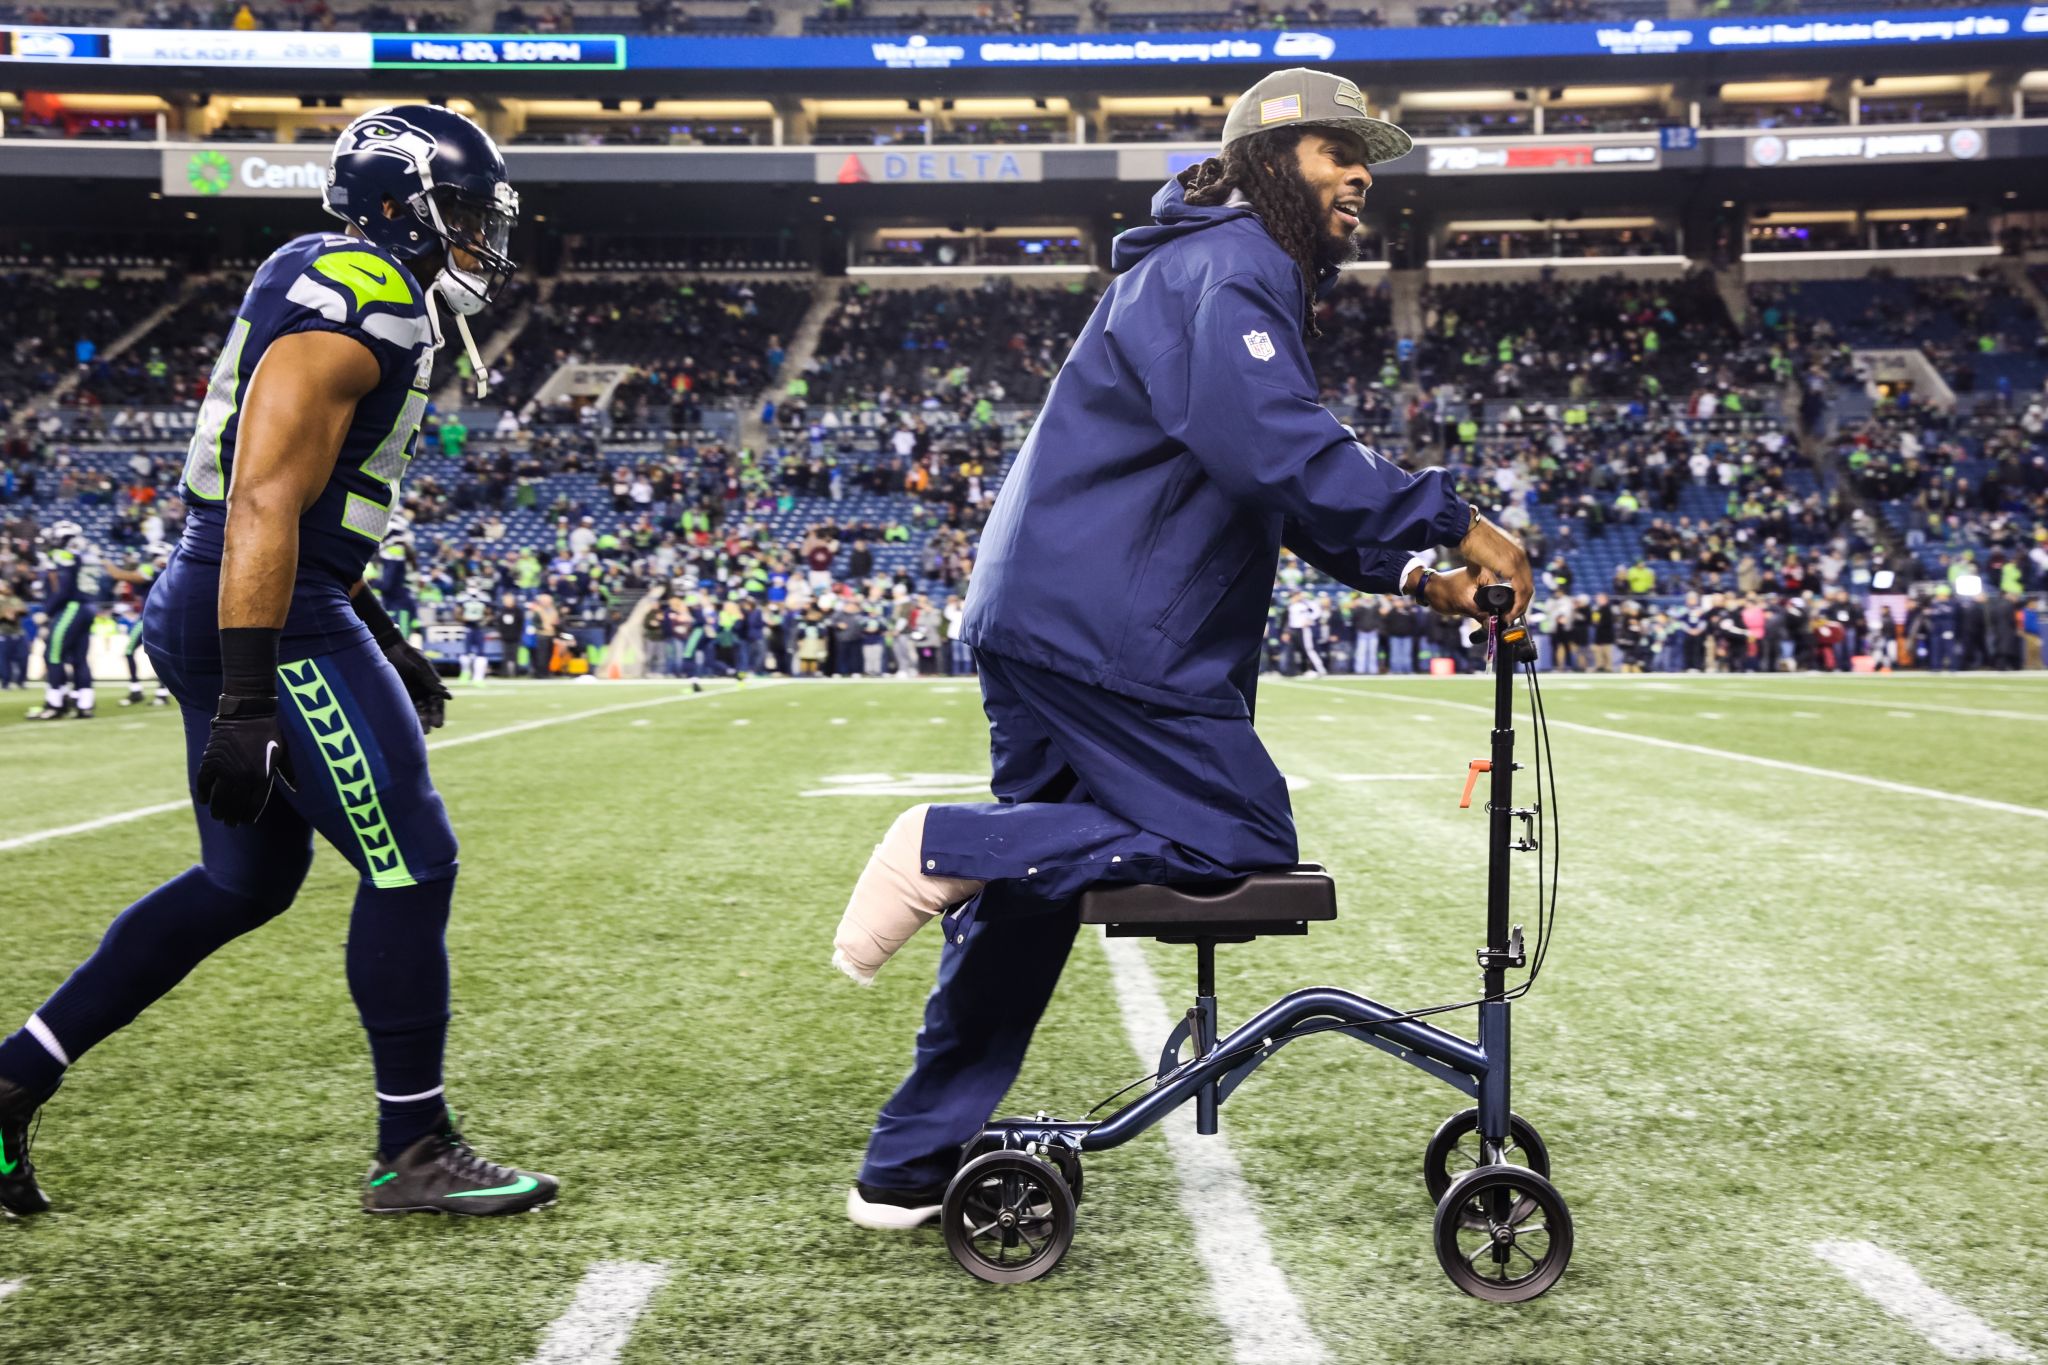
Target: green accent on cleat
[(519, 1186), (388, 1175)]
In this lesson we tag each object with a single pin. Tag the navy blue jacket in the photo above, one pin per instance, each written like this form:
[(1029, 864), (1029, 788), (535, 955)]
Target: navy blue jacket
[(1134, 543)]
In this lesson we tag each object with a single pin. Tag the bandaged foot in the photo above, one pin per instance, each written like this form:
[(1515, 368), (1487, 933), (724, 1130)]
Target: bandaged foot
[(894, 898)]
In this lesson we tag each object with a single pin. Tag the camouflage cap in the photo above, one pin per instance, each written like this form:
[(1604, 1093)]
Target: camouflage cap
[(1301, 98)]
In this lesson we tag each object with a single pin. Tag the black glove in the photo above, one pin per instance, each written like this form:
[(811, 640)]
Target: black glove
[(430, 696), (243, 753)]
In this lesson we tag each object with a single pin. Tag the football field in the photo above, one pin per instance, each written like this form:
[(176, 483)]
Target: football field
[(1786, 1052)]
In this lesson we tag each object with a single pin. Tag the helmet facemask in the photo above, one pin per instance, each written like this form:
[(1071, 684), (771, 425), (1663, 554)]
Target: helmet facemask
[(476, 234)]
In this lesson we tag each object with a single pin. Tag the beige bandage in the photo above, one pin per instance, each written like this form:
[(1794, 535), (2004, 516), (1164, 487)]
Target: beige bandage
[(893, 899)]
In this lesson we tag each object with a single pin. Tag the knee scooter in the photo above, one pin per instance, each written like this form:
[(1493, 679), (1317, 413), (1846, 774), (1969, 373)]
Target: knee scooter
[(1502, 1230)]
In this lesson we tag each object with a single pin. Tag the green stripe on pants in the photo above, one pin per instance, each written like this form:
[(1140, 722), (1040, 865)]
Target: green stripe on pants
[(349, 768), (55, 647)]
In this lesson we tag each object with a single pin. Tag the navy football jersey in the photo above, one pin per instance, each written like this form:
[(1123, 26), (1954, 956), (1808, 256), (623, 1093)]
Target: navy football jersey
[(322, 282), (394, 575), (74, 577)]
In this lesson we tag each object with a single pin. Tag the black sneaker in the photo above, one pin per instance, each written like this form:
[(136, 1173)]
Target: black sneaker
[(440, 1174), (886, 1210), (19, 1192)]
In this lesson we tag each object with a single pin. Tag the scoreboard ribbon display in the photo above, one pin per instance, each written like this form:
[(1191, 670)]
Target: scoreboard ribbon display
[(1622, 42), (315, 51), (428, 52)]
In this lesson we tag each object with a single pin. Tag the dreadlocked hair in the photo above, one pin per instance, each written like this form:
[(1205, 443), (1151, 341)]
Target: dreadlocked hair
[(1262, 165)]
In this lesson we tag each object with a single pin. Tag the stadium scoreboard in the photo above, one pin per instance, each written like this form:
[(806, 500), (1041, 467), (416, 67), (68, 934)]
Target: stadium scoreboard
[(1620, 44)]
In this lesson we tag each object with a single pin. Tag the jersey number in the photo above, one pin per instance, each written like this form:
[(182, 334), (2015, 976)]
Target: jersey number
[(203, 472), (387, 465)]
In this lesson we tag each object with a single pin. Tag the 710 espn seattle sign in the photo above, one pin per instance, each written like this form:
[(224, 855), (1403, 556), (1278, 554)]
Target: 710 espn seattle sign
[(217, 173)]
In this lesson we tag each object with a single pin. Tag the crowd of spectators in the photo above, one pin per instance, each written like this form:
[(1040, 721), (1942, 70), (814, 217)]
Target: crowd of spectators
[(1625, 429), (304, 16), (983, 16), (53, 323), (1609, 337), (689, 340), (1765, 632), (896, 347)]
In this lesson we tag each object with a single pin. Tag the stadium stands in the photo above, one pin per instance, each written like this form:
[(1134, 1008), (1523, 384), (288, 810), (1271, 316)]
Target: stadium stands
[(1608, 337), (894, 347), (56, 323)]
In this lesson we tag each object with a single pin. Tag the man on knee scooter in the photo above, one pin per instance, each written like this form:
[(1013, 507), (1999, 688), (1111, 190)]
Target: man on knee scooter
[(1119, 601)]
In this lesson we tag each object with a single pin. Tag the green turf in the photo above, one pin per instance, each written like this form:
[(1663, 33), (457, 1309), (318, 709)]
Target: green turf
[(1781, 1008)]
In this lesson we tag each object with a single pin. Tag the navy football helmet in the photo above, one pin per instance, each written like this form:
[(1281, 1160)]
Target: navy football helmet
[(449, 181)]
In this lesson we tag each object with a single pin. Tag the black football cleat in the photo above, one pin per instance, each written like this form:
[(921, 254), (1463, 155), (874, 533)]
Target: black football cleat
[(134, 697), (441, 1174), (47, 712), (19, 1192)]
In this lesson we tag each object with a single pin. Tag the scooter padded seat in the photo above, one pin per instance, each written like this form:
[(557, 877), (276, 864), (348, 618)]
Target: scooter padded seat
[(1288, 896)]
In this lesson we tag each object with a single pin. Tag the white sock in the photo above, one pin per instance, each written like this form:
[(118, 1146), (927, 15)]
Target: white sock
[(53, 697), (84, 695)]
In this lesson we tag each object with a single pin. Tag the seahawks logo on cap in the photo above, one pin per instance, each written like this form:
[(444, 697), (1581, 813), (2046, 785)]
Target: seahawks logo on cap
[(1349, 96)]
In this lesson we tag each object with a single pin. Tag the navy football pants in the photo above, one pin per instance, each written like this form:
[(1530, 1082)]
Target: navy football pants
[(361, 766), (66, 649), (1092, 786)]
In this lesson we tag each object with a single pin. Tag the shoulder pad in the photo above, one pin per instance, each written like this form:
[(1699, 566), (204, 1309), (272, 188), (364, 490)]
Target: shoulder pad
[(350, 282)]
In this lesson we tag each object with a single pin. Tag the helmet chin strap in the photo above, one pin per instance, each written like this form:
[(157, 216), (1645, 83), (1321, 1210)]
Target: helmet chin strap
[(476, 361)]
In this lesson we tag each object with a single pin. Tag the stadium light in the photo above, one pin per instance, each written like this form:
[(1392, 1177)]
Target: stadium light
[(1862, 254)]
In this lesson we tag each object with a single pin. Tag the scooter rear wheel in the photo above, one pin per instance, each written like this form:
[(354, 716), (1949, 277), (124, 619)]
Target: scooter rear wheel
[(1008, 1217), (1455, 1150)]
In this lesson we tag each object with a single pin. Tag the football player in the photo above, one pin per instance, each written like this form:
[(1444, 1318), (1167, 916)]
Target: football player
[(145, 575), (74, 575), (304, 707)]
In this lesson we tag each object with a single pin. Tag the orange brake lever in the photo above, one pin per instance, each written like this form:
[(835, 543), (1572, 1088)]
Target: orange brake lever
[(1472, 771)]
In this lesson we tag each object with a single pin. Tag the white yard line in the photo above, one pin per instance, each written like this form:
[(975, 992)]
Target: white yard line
[(453, 741), (1809, 699), (88, 826), (610, 1299), (1391, 777), (1893, 1285), (1252, 1298), (1903, 788)]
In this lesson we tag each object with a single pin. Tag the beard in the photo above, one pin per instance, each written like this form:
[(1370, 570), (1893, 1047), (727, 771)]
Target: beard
[(1329, 249)]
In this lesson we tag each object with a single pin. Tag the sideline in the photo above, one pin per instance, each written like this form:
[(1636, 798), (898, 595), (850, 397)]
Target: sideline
[(1782, 765)]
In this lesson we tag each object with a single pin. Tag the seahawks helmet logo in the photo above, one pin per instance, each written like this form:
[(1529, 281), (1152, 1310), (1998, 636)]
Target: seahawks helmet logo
[(382, 135)]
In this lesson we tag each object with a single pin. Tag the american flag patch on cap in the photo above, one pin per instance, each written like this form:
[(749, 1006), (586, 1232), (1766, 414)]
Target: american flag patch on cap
[(1280, 110)]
